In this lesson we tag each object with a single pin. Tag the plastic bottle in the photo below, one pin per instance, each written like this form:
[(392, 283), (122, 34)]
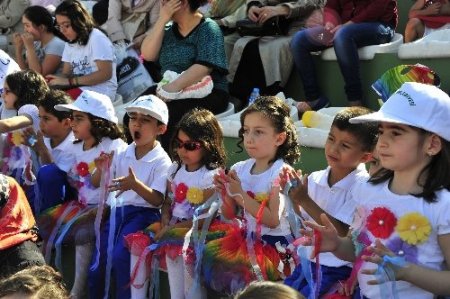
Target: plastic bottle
[(253, 96), (314, 119)]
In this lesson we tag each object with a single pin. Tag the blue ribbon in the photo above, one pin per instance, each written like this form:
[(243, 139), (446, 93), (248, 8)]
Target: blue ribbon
[(293, 219), (385, 273)]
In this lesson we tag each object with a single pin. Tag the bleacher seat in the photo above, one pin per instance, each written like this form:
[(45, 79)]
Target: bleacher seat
[(433, 45), (228, 111), (368, 53)]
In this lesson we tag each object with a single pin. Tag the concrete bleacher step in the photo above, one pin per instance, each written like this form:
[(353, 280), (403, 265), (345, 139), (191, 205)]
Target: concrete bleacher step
[(368, 53), (434, 45)]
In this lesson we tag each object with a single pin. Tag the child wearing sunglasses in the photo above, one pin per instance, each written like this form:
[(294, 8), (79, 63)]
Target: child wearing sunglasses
[(198, 152), (255, 249), (136, 194)]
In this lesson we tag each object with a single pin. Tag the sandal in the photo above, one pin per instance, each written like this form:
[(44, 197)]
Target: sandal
[(315, 105)]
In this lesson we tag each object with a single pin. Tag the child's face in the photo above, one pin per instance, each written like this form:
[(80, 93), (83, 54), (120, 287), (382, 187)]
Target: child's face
[(401, 148), (50, 125), (9, 98), (144, 129), (81, 126), (190, 151), (261, 141), (29, 27), (343, 151), (65, 27)]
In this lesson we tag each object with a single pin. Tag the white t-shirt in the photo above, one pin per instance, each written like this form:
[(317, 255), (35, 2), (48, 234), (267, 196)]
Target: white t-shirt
[(82, 59), (80, 173), (260, 185), (32, 112), (186, 183), (335, 201), (54, 47), (398, 209), (62, 153), (150, 169)]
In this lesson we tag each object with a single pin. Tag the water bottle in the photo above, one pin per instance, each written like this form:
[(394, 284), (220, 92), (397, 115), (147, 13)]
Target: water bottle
[(253, 96)]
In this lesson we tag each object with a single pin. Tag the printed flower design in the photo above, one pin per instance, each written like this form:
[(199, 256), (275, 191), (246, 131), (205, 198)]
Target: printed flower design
[(413, 228), (194, 196), (403, 249), (17, 138), (91, 167), (180, 192), (381, 222), (83, 169), (260, 197)]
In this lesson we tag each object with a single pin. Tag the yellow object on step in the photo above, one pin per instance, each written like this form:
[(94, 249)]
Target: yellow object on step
[(314, 119)]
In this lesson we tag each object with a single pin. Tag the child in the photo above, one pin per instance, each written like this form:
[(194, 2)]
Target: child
[(268, 289), (270, 140), (403, 210), (41, 40), (21, 92), (7, 67), (137, 189), (348, 145), (18, 232), (94, 125), (198, 152), (53, 146), (37, 282), (88, 57)]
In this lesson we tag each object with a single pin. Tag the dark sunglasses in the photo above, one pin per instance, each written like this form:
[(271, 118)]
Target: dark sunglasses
[(187, 145)]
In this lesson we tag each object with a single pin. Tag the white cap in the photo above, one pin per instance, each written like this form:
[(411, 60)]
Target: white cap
[(150, 105), (415, 104), (92, 102)]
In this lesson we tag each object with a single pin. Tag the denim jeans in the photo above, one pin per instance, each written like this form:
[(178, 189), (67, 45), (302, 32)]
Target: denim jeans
[(346, 42)]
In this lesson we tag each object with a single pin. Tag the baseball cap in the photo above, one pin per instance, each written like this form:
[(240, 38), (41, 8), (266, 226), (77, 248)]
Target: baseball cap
[(92, 102), (150, 105), (415, 104)]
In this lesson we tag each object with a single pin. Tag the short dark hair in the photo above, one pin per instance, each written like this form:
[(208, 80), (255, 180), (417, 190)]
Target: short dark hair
[(41, 282), (29, 87), (195, 4), (80, 19), (56, 97), (365, 133)]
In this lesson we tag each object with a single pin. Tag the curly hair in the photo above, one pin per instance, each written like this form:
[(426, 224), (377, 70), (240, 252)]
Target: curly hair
[(29, 87), (268, 289), (202, 126), (41, 282), (101, 128), (278, 113), (80, 19)]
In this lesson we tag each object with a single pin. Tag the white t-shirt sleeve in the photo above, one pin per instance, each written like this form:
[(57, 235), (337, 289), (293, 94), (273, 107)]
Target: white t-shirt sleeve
[(55, 47), (443, 217), (32, 112), (102, 48), (159, 182)]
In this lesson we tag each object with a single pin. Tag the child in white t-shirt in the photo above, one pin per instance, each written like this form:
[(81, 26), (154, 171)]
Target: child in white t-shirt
[(96, 131), (328, 191), (136, 193), (400, 239)]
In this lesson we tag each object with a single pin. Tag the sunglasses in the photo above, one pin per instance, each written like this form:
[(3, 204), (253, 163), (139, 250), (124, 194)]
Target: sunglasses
[(187, 145)]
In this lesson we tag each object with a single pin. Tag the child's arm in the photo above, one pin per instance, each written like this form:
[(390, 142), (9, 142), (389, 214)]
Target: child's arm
[(270, 214), (341, 247), (300, 199), (131, 182), (15, 123), (434, 281)]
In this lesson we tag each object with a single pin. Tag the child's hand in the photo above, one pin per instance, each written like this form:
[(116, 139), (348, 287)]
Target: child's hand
[(162, 231), (124, 183), (33, 139), (394, 266), (235, 187), (329, 235), (220, 181), (104, 160)]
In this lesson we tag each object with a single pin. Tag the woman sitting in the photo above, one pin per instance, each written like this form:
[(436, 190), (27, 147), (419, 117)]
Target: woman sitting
[(88, 55), (193, 47), (266, 62), (41, 40)]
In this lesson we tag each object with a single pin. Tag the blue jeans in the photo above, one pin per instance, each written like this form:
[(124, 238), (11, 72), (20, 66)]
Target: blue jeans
[(129, 219), (346, 42)]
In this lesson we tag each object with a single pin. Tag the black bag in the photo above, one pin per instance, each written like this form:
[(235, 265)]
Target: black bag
[(274, 26)]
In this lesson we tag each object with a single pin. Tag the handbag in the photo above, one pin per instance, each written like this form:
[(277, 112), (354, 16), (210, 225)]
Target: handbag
[(277, 25)]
